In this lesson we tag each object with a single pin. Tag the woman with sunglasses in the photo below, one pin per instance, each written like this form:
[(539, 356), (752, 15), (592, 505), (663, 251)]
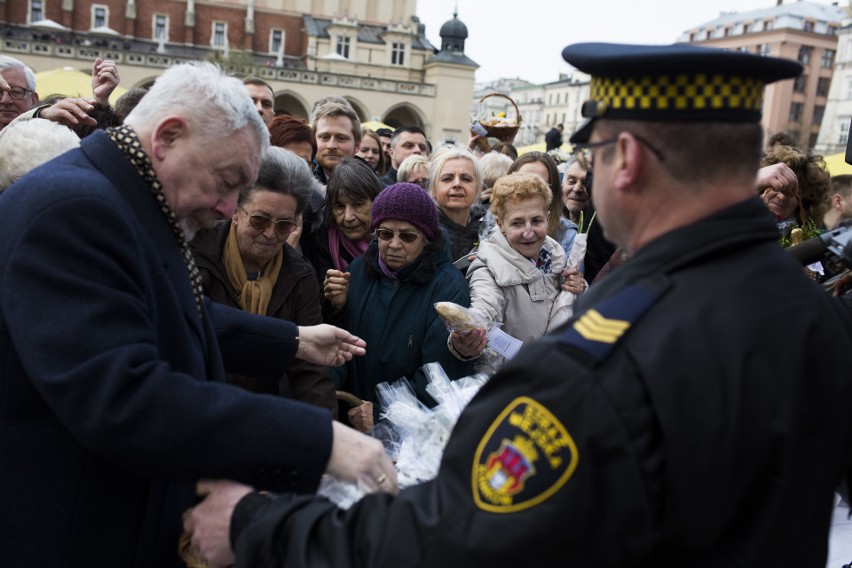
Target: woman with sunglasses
[(391, 296), (245, 262)]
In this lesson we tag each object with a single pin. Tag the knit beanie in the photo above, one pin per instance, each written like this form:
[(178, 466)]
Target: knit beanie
[(406, 202)]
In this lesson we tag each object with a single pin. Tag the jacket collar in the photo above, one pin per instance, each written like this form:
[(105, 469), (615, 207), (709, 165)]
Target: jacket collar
[(116, 167), (509, 266)]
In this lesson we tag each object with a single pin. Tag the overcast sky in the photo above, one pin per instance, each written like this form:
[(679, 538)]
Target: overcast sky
[(525, 39)]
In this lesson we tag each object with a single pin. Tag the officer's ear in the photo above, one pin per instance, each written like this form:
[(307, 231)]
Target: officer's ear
[(628, 161)]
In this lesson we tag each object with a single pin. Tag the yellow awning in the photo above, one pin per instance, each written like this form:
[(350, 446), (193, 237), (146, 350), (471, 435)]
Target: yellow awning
[(374, 125), (541, 147), (69, 82), (836, 164)]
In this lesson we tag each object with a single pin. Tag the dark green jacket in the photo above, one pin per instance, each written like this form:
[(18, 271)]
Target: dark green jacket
[(398, 321)]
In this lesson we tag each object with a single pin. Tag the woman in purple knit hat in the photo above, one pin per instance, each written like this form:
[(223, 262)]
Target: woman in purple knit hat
[(390, 304)]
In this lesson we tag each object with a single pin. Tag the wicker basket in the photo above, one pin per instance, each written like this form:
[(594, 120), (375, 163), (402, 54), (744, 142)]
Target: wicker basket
[(503, 133)]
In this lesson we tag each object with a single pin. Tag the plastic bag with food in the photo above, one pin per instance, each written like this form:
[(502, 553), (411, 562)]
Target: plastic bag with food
[(461, 319), (414, 435)]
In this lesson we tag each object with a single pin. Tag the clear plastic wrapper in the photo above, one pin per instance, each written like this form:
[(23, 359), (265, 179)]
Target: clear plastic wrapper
[(563, 306), (460, 319), (414, 435)]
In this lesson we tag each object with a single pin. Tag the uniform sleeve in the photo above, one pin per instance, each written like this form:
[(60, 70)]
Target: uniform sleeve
[(540, 466), (78, 294)]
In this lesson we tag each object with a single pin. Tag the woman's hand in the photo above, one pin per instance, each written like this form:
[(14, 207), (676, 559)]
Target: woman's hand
[(469, 344), (336, 288), (573, 281), (361, 417)]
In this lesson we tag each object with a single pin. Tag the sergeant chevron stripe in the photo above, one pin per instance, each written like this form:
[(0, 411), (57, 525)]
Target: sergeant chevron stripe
[(594, 327), (597, 330)]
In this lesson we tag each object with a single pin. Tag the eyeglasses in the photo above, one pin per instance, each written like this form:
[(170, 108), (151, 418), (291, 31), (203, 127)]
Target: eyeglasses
[(589, 145), (261, 223), (405, 236), (17, 93)]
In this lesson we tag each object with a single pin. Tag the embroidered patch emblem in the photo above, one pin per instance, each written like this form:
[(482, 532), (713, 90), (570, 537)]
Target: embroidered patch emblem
[(524, 458)]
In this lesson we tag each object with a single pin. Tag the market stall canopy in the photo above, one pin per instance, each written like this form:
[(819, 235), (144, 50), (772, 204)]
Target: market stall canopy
[(541, 147), (374, 125), (836, 164), (69, 82)]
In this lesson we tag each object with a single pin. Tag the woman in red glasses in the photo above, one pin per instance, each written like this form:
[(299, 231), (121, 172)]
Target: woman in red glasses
[(391, 296), (245, 262)]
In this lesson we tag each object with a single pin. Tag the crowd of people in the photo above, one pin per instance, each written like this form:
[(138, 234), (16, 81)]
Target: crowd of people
[(221, 301)]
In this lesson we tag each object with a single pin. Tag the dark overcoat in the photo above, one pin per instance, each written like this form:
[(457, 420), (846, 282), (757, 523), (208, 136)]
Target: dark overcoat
[(111, 405)]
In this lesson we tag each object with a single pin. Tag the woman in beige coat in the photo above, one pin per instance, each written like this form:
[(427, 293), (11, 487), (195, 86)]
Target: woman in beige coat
[(519, 271)]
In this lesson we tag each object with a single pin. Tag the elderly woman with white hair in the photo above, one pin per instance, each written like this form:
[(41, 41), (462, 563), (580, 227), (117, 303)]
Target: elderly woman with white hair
[(245, 262), (27, 143), (455, 181), (414, 169)]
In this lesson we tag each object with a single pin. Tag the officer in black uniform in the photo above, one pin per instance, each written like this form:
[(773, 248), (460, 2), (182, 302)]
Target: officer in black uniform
[(693, 413)]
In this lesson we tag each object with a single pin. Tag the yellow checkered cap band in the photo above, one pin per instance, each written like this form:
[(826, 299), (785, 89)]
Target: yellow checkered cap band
[(697, 96)]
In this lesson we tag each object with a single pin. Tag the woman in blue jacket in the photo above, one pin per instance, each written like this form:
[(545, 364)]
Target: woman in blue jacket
[(390, 304)]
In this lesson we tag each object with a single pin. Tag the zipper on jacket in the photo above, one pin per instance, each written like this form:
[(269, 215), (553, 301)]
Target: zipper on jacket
[(410, 339)]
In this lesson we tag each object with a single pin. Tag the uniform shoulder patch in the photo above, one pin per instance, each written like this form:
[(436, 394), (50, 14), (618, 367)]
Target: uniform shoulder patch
[(598, 329), (525, 457)]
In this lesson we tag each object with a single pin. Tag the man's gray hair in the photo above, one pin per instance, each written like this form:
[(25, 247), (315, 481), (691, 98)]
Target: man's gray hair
[(215, 104), (7, 62), (28, 143), (282, 171)]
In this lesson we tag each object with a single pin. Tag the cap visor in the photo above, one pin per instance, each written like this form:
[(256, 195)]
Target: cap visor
[(583, 133)]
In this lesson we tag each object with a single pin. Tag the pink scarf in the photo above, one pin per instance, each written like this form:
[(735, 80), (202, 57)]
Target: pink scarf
[(353, 248)]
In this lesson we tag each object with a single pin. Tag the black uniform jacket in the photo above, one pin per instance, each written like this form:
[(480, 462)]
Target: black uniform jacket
[(695, 412)]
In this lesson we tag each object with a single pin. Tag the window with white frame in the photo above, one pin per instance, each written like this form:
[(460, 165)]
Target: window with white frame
[(397, 53), (36, 10), (161, 26), (220, 32), (827, 61), (844, 131), (276, 41), (100, 16), (342, 46)]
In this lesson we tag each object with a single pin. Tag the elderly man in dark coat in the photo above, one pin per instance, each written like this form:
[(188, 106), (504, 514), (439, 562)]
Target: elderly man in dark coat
[(111, 362)]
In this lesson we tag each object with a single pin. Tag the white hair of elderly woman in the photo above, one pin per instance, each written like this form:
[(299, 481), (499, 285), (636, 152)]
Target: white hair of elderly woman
[(27, 143)]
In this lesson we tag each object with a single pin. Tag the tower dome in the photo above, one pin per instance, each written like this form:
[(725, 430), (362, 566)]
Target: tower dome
[(453, 33)]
